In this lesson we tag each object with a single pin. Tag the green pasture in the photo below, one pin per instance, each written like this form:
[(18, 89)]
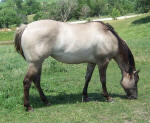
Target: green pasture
[(6, 36), (63, 85)]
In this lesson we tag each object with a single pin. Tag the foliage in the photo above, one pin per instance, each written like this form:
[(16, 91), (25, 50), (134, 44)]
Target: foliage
[(64, 10), (60, 10), (67, 7), (31, 7), (124, 6), (143, 5), (84, 8), (38, 16), (98, 7), (16, 11), (115, 13), (85, 11), (8, 17)]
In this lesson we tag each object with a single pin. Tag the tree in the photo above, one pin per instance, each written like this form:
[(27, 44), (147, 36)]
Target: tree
[(143, 5), (66, 8), (85, 11), (31, 6), (98, 7), (8, 17), (21, 11), (19, 4), (60, 10), (115, 13), (8, 14)]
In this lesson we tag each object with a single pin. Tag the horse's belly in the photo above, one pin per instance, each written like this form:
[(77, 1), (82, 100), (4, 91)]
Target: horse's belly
[(74, 57)]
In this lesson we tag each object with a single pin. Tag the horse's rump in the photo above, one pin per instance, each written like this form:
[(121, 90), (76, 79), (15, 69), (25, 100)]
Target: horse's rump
[(17, 39)]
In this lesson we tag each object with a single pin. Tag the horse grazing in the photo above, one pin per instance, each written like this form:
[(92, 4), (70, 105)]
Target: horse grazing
[(95, 43)]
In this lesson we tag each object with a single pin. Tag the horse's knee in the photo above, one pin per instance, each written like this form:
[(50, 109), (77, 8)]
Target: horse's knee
[(25, 82), (103, 80)]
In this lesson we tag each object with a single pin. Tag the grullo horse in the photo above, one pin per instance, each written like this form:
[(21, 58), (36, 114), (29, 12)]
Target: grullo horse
[(95, 43)]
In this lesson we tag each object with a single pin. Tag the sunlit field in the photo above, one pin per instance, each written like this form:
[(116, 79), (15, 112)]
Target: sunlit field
[(63, 85)]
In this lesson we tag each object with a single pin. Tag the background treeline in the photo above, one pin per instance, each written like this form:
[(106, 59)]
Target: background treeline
[(14, 12)]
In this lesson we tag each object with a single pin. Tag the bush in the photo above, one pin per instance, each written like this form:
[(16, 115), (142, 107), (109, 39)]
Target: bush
[(38, 16), (61, 10), (84, 11), (31, 6), (124, 6), (9, 17), (143, 5), (98, 7), (115, 13)]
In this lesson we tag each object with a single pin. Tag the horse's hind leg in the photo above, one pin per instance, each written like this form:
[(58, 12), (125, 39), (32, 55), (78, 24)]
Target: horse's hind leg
[(27, 83), (102, 73), (36, 81), (89, 72), (33, 71)]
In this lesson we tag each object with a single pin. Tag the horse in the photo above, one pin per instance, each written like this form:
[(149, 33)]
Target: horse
[(94, 43)]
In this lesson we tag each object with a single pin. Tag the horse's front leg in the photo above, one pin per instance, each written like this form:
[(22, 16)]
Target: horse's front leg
[(102, 73), (89, 72)]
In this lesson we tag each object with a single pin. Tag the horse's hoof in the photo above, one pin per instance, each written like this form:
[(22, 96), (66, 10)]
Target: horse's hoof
[(85, 99), (110, 100), (29, 109), (48, 104)]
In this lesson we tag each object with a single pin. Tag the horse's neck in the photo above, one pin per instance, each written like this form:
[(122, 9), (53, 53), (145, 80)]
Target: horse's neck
[(125, 58), (123, 65)]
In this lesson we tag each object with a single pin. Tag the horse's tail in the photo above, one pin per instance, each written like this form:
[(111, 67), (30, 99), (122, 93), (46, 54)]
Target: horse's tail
[(17, 39)]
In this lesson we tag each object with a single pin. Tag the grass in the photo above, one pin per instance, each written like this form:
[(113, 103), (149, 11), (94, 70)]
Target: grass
[(6, 36), (63, 86)]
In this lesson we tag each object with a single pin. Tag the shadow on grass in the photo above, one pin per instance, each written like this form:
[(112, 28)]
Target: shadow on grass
[(142, 20), (63, 98)]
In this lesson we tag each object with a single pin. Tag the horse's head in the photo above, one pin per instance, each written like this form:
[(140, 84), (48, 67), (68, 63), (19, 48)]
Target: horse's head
[(129, 83)]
